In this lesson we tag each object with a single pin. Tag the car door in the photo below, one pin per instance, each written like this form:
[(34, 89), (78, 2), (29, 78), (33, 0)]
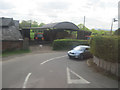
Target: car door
[(86, 53)]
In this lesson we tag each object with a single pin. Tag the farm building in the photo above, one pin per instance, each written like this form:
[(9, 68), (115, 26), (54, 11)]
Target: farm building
[(61, 26), (59, 30)]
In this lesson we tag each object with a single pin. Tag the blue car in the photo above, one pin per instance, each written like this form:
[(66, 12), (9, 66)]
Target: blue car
[(80, 52)]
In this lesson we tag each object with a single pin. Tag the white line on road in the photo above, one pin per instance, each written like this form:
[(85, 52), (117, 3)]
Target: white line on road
[(68, 76), (52, 59), (26, 80), (75, 81)]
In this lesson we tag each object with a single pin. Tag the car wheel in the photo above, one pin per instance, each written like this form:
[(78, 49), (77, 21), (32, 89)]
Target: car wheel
[(81, 57), (69, 57)]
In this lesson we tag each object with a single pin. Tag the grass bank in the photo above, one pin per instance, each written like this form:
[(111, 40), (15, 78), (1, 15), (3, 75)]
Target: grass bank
[(15, 52)]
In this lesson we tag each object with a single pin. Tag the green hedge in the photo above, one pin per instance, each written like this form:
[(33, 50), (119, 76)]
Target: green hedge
[(106, 47), (66, 44), (117, 32)]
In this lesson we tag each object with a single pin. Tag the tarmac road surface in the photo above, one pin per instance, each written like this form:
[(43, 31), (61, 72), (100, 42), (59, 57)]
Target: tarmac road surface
[(51, 70)]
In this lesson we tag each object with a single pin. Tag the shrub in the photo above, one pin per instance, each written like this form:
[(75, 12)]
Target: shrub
[(66, 44), (117, 32), (106, 47)]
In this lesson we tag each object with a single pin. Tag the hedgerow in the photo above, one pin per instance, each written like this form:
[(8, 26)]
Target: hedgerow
[(106, 47), (66, 44)]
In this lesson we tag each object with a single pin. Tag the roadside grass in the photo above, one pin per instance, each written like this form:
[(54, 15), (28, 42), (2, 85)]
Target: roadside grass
[(14, 52), (102, 71)]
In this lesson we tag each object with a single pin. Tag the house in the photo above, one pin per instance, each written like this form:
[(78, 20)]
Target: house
[(9, 34)]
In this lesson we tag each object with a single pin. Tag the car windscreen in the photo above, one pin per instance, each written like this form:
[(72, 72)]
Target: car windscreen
[(79, 48)]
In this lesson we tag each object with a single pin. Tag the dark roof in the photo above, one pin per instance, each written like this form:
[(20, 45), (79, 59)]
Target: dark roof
[(61, 25), (6, 21), (9, 29)]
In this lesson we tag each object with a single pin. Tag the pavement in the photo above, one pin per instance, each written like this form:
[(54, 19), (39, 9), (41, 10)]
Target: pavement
[(51, 70)]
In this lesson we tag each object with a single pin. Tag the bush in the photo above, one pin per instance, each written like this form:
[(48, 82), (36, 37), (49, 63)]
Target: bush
[(106, 47), (117, 32), (66, 44)]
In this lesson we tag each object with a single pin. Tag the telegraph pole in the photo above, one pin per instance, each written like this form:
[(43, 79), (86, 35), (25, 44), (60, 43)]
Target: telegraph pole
[(113, 20), (84, 28), (111, 27), (30, 23), (84, 24)]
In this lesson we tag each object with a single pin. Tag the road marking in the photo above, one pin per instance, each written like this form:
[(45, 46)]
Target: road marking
[(26, 80), (75, 81), (52, 59)]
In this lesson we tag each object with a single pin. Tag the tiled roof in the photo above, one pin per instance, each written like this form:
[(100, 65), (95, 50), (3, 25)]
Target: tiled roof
[(6, 21), (9, 29)]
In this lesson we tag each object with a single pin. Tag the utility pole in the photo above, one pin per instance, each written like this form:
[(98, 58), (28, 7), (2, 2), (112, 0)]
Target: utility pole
[(111, 27), (84, 24), (113, 20), (30, 23), (84, 28)]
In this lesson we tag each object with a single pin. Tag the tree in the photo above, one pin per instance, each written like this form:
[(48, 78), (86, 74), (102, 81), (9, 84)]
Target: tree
[(99, 32), (41, 24), (28, 23), (34, 24), (81, 27), (117, 32), (24, 24)]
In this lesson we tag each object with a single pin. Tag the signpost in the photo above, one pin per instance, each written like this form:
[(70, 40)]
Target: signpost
[(114, 20)]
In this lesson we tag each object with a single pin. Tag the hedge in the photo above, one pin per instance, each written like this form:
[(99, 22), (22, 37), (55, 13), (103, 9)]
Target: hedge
[(106, 47), (67, 44), (117, 32)]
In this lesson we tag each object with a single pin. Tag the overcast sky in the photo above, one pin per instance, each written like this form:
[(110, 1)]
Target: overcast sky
[(99, 13)]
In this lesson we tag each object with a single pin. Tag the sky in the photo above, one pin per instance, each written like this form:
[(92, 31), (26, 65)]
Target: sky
[(98, 13), (119, 14)]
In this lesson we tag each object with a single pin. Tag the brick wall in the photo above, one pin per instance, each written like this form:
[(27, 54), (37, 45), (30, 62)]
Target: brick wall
[(12, 45)]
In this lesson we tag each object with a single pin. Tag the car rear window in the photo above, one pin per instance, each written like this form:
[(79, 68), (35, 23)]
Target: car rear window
[(79, 48)]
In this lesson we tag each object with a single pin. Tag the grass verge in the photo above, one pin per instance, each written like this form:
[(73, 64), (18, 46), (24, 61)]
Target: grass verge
[(15, 52), (101, 71)]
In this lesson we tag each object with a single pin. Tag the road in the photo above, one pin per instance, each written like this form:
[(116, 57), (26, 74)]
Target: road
[(51, 70)]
